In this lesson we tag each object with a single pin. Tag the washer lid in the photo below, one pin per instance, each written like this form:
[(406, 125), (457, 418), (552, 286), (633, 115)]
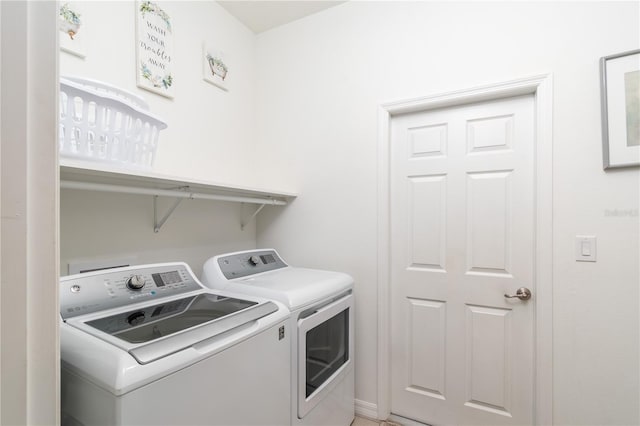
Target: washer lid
[(155, 331)]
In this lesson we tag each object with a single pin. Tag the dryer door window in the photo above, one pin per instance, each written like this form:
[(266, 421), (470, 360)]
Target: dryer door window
[(327, 349)]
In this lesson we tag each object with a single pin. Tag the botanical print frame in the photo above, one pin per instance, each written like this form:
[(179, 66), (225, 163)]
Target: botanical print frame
[(620, 93), (72, 26), (154, 49), (214, 66)]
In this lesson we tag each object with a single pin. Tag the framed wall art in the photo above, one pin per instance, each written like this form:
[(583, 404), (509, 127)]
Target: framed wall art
[(620, 98), (72, 28), (154, 49), (214, 66)]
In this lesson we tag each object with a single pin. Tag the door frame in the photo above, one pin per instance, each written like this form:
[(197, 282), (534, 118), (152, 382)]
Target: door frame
[(541, 87), (29, 194)]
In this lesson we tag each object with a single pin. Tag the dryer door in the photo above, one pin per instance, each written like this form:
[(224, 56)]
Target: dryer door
[(325, 351)]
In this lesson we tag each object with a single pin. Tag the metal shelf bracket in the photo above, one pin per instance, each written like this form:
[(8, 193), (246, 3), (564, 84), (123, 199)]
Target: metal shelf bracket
[(244, 223), (158, 224)]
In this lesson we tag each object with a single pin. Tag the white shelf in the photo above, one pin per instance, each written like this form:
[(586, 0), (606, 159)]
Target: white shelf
[(82, 175), (96, 173)]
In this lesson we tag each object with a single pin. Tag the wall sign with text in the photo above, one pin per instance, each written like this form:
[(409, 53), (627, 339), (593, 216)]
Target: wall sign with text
[(154, 49)]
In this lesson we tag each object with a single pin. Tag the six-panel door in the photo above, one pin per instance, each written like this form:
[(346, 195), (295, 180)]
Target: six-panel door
[(462, 232)]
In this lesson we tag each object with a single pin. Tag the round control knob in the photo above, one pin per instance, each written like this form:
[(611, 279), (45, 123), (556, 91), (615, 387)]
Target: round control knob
[(254, 260), (135, 318), (136, 282)]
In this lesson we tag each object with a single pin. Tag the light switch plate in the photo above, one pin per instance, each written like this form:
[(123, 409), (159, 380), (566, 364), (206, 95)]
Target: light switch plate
[(586, 248)]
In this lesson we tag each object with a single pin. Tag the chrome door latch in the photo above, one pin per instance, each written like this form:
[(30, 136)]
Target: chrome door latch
[(522, 293)]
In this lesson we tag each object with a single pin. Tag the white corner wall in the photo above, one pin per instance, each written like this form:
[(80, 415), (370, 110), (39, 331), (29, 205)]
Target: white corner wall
[(320, 82), (209, 137)]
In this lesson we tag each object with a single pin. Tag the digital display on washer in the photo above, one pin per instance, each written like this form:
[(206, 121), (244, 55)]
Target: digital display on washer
[(155, 321), (166, 278), (267, 258)]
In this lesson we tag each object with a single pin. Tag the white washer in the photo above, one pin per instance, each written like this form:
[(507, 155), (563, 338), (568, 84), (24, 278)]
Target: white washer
[(149, 345), (321, 305)]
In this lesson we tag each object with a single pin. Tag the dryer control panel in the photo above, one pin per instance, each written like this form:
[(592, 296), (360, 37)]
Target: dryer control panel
[(238, 265), (96, 291)]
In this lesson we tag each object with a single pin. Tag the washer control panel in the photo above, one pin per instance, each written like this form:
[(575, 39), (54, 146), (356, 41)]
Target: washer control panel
[(96, 291), (247, 263)]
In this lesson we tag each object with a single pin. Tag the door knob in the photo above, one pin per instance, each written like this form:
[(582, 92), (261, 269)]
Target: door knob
[(522, 293)]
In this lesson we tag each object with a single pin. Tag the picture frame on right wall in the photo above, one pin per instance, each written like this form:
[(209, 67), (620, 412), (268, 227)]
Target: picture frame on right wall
[(620, 104)]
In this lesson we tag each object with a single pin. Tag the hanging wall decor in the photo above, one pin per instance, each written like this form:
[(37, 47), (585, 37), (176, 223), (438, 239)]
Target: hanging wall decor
[(620, 92), (71, 26), (154, 49), (214, 67)]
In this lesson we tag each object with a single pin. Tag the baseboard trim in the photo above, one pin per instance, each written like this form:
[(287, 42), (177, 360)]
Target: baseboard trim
[(366, 409)]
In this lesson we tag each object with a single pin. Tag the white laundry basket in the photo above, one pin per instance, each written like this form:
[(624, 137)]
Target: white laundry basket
[(101, 122)]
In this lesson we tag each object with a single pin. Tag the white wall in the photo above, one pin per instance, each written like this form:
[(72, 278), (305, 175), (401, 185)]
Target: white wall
[(99, 226), (209, 137), (321, 81), (210, 131)]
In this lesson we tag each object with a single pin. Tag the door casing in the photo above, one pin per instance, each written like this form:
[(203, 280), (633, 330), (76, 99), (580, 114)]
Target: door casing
[(542, 88)]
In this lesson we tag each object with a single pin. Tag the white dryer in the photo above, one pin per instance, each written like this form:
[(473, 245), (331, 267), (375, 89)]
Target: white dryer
[(149, 345), (321, 305)]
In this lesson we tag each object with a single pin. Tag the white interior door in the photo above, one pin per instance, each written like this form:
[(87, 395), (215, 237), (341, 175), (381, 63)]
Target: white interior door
[(462, 236)]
